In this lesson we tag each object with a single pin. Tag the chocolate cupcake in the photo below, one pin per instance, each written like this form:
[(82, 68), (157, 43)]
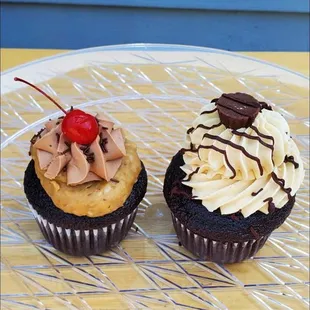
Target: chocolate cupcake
[(84, 183), (236, 182)]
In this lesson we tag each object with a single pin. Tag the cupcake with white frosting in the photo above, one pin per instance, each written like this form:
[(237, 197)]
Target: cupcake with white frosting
[(237, 180)]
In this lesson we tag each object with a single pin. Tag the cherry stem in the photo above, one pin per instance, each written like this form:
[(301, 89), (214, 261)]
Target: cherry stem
[(42, 92)]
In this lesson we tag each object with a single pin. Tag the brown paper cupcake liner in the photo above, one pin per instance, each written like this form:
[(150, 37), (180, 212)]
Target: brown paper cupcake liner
[(85, 242), (217, 251)]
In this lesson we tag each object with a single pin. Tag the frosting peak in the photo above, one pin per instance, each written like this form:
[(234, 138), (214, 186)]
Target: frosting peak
[(83, 163), (239, 169)]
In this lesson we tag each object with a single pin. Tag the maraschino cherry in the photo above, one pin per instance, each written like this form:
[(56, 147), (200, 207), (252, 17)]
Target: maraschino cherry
[(80, 127), (77, 125)]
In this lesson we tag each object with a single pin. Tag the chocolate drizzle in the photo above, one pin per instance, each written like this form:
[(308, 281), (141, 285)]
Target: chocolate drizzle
[(238, 147), (290, 159), (261, 134), (248, 136), (209, 127), (258, 138), (210, 111), (191, 149), (190, 130), (256, 193), (191, 175), (271, 205), (222, 152), (281, 183)]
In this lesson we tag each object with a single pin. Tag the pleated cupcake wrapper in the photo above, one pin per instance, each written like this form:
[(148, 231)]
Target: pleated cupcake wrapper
[(85, 242), (217, 251)]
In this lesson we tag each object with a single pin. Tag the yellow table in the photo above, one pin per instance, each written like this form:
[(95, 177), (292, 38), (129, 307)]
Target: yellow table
[(142, 273), (297, 61)]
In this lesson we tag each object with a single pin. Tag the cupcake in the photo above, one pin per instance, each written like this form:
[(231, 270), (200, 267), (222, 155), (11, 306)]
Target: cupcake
[(84, 182), (236, 182)]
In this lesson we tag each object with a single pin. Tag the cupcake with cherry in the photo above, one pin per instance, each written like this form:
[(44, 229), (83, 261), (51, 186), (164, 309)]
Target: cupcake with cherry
[(84, 182)]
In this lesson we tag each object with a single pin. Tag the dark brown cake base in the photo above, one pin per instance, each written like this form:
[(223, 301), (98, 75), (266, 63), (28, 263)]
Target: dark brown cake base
[(210, 235), (81, 235)]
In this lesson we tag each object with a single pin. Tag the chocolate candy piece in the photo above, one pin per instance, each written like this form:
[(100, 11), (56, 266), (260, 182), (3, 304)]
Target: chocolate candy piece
[(238, 110)]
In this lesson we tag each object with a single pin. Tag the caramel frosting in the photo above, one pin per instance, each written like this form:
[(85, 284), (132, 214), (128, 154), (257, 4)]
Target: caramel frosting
[(83, 163), (256, 167)]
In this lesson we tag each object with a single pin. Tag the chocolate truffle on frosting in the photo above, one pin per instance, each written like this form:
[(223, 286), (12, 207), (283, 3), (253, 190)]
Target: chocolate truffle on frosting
[(238, 110)]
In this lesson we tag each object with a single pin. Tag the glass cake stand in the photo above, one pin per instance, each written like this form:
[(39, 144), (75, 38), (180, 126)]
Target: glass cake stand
[(154, 92)]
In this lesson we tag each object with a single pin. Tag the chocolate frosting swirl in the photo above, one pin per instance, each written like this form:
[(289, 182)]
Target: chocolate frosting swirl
[(98, 161)]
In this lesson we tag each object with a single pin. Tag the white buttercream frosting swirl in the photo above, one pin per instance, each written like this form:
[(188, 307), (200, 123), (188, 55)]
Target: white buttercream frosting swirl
[(235, 170)]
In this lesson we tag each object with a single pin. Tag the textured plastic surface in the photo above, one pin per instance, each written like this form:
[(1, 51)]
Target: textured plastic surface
[(154, 92), (85, 242), (219, 252)]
